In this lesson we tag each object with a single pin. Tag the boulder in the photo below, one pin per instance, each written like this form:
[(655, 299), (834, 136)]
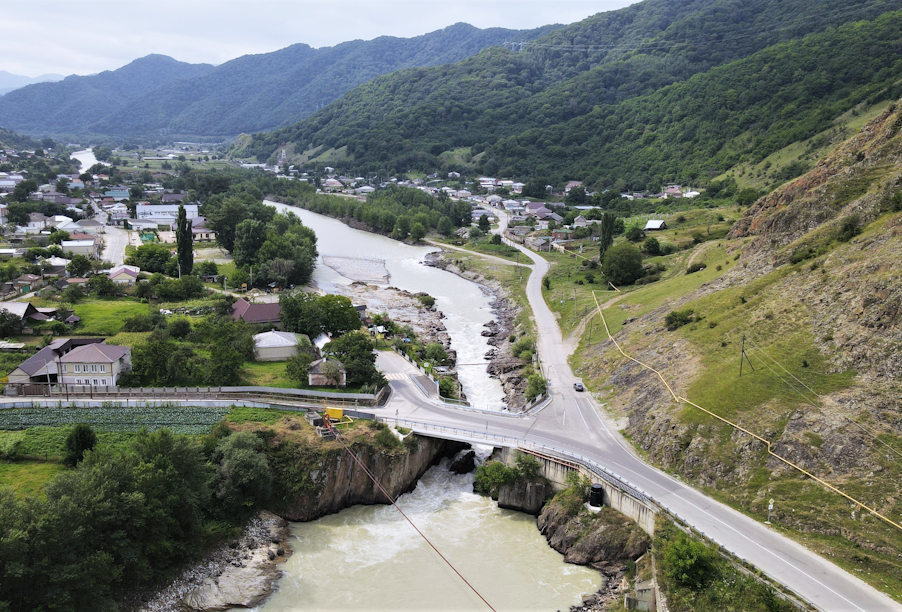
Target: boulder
[(464, 462)]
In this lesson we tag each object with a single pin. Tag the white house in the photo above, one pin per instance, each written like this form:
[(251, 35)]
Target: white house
[(88, 248), (655, 224), (164, 211), (275, 346), (97, 365)]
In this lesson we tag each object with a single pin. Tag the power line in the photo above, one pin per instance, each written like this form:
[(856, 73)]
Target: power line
[(398, 508)]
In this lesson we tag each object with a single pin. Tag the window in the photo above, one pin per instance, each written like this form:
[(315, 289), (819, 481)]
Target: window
[(103, 367), (103, 382), (77, 368), (63, 368), (95, 382), (77, 381), (93, 367)]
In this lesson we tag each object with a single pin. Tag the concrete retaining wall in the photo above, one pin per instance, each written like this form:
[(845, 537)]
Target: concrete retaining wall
[(556, 472)]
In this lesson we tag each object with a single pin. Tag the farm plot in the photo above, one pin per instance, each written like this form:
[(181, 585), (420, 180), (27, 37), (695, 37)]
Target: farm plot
[(182, 420)]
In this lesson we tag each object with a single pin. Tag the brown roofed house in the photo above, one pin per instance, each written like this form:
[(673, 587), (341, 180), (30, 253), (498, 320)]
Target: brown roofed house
[(256, 313)]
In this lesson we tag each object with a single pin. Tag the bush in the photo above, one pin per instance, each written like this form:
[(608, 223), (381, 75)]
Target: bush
[(679, 318), (696, 267), (651, 246), (386, 438), (522, 346), (243, 476), (689, 563), (491, 476), (180, 328), (79, 441), (535, 386), (849, 228), (446, 387)]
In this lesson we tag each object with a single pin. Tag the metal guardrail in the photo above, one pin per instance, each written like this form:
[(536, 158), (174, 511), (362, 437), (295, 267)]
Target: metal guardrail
[(515, 442)]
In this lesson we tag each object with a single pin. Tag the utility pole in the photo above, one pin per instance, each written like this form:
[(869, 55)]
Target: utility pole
[(744, 357)]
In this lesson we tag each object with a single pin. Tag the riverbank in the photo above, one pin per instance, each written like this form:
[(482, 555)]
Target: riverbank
[(502, 365), (239, 573), (402, 307)]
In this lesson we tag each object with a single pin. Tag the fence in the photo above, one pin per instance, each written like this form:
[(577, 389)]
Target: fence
[(307, 395)]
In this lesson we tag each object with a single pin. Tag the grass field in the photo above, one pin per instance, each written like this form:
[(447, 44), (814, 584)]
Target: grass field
[(27, 478), (103, 317)]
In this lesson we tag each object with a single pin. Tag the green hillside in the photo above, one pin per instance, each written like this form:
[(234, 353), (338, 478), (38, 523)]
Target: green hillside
[(75, 103), (250, 93), (637, 82)]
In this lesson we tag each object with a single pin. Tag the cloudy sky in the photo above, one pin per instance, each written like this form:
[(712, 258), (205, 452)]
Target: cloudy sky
[(65, 37)]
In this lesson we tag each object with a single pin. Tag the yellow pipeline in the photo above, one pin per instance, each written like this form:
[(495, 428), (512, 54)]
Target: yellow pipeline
[(679, 399)]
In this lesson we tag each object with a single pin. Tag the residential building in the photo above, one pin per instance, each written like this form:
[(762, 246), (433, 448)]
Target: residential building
[(275, 346), (42, 366), (88, 248), (124, 275), (257, 313), (97, 365), (316, 377)]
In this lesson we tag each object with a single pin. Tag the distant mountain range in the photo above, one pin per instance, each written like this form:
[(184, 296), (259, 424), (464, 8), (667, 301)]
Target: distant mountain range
[(157, 95), (658, 91), (9, 81)]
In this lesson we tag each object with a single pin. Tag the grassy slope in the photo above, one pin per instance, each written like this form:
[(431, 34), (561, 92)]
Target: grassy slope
[(762, 400)]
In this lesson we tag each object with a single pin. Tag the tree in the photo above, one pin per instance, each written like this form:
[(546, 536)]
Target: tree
[(622, 264), (80, 440), (355, 351), (606, 237), (337, 315), (250, 235), (535, 386), (576, 196), (10, 324), (652, 246), (73, 293), (243, 475), (484, 224), (634, 233), (402, 228), (332, 369), (184, 240), (444, 226), (23, 190), (417, 231), (436, 354), (150, 257), (78, 266), (57, 236), (102, 285)]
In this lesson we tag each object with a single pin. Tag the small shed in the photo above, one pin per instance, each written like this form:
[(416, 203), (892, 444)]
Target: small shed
[(655, 224), (275, 346), (319, 374)]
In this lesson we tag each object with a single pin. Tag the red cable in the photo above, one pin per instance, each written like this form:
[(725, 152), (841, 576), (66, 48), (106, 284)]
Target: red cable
[(389, 497)]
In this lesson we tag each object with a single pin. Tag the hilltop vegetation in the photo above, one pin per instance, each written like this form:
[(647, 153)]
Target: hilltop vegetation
[(618, 96), (157, 94)]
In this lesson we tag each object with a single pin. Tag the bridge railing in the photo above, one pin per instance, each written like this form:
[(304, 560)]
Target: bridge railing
[(516, 442)]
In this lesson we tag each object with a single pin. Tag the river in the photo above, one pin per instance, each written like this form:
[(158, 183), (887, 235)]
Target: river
[(367, 557), (86, 159), (466, 307)]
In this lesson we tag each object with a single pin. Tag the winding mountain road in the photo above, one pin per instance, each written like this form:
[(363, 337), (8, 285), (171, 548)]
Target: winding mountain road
[(572, 422)]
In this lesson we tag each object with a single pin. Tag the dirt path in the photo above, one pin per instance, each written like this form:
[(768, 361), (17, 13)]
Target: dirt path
[(500, 260), (572, 340), (699, 250)]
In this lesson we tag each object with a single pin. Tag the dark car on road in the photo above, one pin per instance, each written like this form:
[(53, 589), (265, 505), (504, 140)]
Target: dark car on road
[(578, 386)]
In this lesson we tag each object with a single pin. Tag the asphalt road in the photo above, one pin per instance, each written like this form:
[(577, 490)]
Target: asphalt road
[(115, 239), (573, 422)]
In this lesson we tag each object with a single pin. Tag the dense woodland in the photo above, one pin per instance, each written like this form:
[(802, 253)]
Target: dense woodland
[(620, 95)]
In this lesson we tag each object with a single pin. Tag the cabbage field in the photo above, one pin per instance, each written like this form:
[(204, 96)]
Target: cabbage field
[(178, 419)]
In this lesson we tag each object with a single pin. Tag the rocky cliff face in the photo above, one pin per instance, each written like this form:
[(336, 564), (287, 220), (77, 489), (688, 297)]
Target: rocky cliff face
[(525, 495), (334, 481), (604, 541)]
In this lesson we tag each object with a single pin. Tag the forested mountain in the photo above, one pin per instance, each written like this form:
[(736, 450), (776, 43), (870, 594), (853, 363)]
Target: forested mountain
[(581, 102), (74, 104), (251, 93), (9, 139)]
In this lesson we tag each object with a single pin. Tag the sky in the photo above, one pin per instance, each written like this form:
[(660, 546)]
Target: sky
[(65, 37)]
